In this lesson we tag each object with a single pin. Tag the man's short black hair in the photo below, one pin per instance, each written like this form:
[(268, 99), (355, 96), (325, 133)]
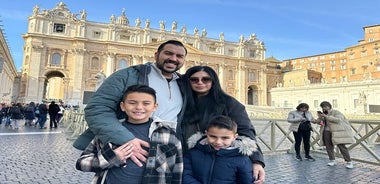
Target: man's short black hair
[(174, 42)]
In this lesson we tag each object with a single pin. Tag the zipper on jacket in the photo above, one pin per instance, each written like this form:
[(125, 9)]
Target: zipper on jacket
[(212, 168), (170, 90)]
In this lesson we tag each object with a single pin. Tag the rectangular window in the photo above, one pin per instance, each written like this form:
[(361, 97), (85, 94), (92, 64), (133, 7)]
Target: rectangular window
[(356, 102), (353, 71), (252, 77), (59, 28), (316, 104), (231, 52), (286, 103), (212, 49), (230, 75), (344, 78), (252, 53), (96, 34), (335, 103)]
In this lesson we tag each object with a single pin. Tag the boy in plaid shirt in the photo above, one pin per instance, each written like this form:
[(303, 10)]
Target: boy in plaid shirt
[(111, 162)]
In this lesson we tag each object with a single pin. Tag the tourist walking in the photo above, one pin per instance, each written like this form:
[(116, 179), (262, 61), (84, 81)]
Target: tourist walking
[(53, 111)]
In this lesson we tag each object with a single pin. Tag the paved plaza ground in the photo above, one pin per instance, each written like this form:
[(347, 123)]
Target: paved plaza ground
[(32, 155)]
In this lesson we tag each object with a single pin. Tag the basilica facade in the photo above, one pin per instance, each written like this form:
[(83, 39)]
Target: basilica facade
[(64, 54)]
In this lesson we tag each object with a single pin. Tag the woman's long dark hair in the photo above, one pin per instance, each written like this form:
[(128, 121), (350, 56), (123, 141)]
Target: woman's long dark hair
[(216, 94)]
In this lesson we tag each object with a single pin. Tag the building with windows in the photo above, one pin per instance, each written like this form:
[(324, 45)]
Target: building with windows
[(349, 79), (64, 52), (8, 72)]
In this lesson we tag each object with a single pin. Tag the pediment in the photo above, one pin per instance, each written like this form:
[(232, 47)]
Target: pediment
[(59, 12)]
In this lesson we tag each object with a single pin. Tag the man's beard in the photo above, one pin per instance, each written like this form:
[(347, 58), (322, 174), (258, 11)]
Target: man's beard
[(162, 68)]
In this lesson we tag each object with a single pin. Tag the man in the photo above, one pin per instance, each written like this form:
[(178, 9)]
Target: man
[(53, 111)]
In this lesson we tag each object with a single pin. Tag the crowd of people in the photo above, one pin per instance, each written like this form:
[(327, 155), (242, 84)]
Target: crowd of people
[(31, 114)]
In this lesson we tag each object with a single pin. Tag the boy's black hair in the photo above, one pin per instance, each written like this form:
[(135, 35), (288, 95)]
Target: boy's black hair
[(221, 121), (139, 89)]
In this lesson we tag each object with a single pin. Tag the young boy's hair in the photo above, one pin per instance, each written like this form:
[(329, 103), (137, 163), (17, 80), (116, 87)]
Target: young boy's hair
[(139, 89), (221, 121)]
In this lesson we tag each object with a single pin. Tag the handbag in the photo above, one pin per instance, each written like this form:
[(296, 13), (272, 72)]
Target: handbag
[(305, 125)]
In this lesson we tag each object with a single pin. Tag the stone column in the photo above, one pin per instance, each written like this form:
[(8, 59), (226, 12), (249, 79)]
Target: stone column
[(110, 63), (34, 85), (77, 71)]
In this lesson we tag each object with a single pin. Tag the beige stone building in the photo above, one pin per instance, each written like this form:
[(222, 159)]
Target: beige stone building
[(64, 53), (8, 72), (349, 79)]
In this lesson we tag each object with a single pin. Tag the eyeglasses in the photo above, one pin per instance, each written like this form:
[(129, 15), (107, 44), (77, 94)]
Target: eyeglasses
[(205, 80)]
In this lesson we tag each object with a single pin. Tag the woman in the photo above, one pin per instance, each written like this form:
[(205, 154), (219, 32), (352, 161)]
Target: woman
[(335, 131), (207, 100), (299, 120)]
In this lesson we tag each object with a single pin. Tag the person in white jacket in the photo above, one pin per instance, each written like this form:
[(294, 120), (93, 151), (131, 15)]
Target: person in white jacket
[(300, 125), (336, 130)]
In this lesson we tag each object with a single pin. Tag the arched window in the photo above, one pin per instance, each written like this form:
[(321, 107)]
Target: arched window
[(95, 63), (56, 59), (122, 64)]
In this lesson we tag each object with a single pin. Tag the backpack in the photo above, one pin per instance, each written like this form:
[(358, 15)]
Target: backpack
[(14, 110), (30, 109)]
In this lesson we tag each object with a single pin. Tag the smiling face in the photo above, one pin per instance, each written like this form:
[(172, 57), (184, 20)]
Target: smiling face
[(170, 59), (138, 107), (201, 83), (220, 138)]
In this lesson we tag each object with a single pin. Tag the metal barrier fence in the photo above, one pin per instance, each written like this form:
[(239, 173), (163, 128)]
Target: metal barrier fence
[(273, 136), (74, 122)]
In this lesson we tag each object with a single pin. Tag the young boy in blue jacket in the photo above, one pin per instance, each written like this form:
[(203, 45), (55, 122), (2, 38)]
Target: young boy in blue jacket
[(220, 156)]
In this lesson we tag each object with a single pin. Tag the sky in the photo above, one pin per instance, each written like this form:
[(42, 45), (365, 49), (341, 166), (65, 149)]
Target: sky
[(288, 28)]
